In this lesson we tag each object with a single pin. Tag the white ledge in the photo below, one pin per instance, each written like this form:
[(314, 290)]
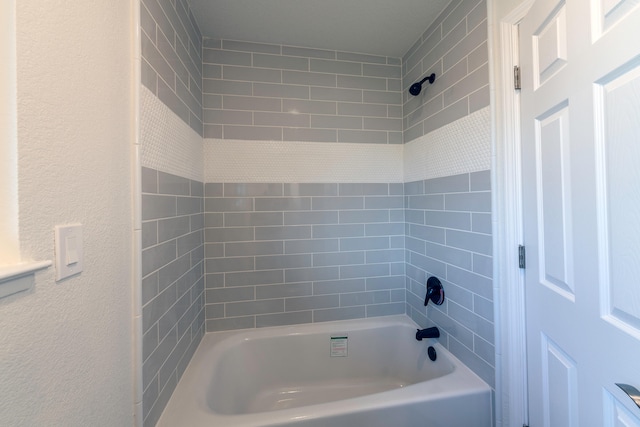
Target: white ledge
[(13, 278)]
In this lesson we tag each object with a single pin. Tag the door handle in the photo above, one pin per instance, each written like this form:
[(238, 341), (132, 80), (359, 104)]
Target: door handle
[(632, 392)]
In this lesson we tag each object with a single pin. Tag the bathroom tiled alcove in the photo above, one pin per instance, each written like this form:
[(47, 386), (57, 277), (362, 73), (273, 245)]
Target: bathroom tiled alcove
[(219, 255)]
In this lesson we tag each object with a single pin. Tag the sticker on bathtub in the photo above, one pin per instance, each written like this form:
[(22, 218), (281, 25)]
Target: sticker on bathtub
[(339, 346)]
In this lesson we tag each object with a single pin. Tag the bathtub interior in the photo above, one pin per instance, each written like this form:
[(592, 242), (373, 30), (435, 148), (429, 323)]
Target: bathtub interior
[(261, 374)]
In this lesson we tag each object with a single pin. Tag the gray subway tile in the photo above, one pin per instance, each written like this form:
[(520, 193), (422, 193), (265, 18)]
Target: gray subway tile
[(380, 283), (450, 255), (273, 262), (215, 219), (212, 131), (338, 258), (283, 204), (280, 62), (339, 286), (256, 219), (308, 78), (481, 223), (283, 233), (250, 103), (221, 56), (389, 309), (364, 216), (281, 90), (364, 298), (379, 70), (360, 109), (250, 47), (228, 204), (384, 202), (149, 234), (233, 309), (308, 106), (446, 219), (363, 243), (230, 323), (156, 206), (332, 94), (252, 189), (363, 136), (483, 265), (226, 87), (357, 82), (360, 57), (343, 313), (230, 234), (311, 246), (473, 282), (338, 230), (385, 255), (306, 52), (284, 290), (474, 202), (309, 135), (310, 274), (281, 319), (228, 117), (264, 277), (149, 180), (281, 119), (382, 96), (336, 67), (189, 205), (249, 74), (171, 228), (366, 270), (429, 201), (310, 189), (337, 203), (312, 302), (427, 233), (253, 248), (475, 242), (156, 257), (222, 265), (310, 217), (336, 122)]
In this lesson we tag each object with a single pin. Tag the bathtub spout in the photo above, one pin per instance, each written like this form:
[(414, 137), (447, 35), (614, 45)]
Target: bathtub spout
[(432, 332)]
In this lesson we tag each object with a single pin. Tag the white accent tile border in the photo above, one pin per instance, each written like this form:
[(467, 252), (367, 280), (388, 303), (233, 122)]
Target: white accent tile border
[(301, 162), (170, 145), (460, 147), (167, 143)]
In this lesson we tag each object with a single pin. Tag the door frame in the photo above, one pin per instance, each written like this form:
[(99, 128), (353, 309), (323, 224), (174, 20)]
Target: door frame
[(511, 406)]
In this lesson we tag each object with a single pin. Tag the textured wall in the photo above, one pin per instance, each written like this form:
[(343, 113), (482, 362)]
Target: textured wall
[(448, 235), (172, 283), (255, 91), (454, 47), (296, 253), (65, 347), (172, 57)]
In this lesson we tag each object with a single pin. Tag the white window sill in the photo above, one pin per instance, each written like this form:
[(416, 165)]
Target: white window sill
[(17, 278)]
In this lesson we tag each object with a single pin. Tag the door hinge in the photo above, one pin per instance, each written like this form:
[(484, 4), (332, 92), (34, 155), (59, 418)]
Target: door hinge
[(522, 257), (516, 77)]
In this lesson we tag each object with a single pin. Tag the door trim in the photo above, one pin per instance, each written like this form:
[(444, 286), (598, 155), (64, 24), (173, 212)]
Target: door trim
[(509, 298)]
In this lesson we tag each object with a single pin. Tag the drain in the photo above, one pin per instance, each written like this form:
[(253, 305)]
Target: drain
[(432, 353)]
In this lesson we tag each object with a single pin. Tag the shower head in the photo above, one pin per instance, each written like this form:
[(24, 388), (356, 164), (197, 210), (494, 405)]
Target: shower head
[(417, 87)]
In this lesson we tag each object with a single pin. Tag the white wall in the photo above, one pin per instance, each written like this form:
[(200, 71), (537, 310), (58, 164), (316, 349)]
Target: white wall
[(65, 347)]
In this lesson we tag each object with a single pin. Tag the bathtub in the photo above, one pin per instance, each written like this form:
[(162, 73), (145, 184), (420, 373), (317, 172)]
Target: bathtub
[(368, 372)]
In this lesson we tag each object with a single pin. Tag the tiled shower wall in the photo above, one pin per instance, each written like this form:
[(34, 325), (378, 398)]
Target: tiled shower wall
[(255, 91), (172, 58), (455, 48), (172, 283), (448, 235), (296, 253)]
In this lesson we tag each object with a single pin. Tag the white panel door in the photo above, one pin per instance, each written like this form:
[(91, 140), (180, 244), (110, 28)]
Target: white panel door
[(580, 121)]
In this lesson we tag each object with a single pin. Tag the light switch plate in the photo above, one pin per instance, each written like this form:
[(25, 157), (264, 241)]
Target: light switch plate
[(68, 240)]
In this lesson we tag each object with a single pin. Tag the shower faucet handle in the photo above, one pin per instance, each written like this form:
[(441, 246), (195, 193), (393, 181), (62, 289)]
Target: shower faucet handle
[(435, 292)]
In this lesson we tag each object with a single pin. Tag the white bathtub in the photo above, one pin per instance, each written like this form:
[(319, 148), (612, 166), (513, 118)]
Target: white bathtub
[(288, 376)]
